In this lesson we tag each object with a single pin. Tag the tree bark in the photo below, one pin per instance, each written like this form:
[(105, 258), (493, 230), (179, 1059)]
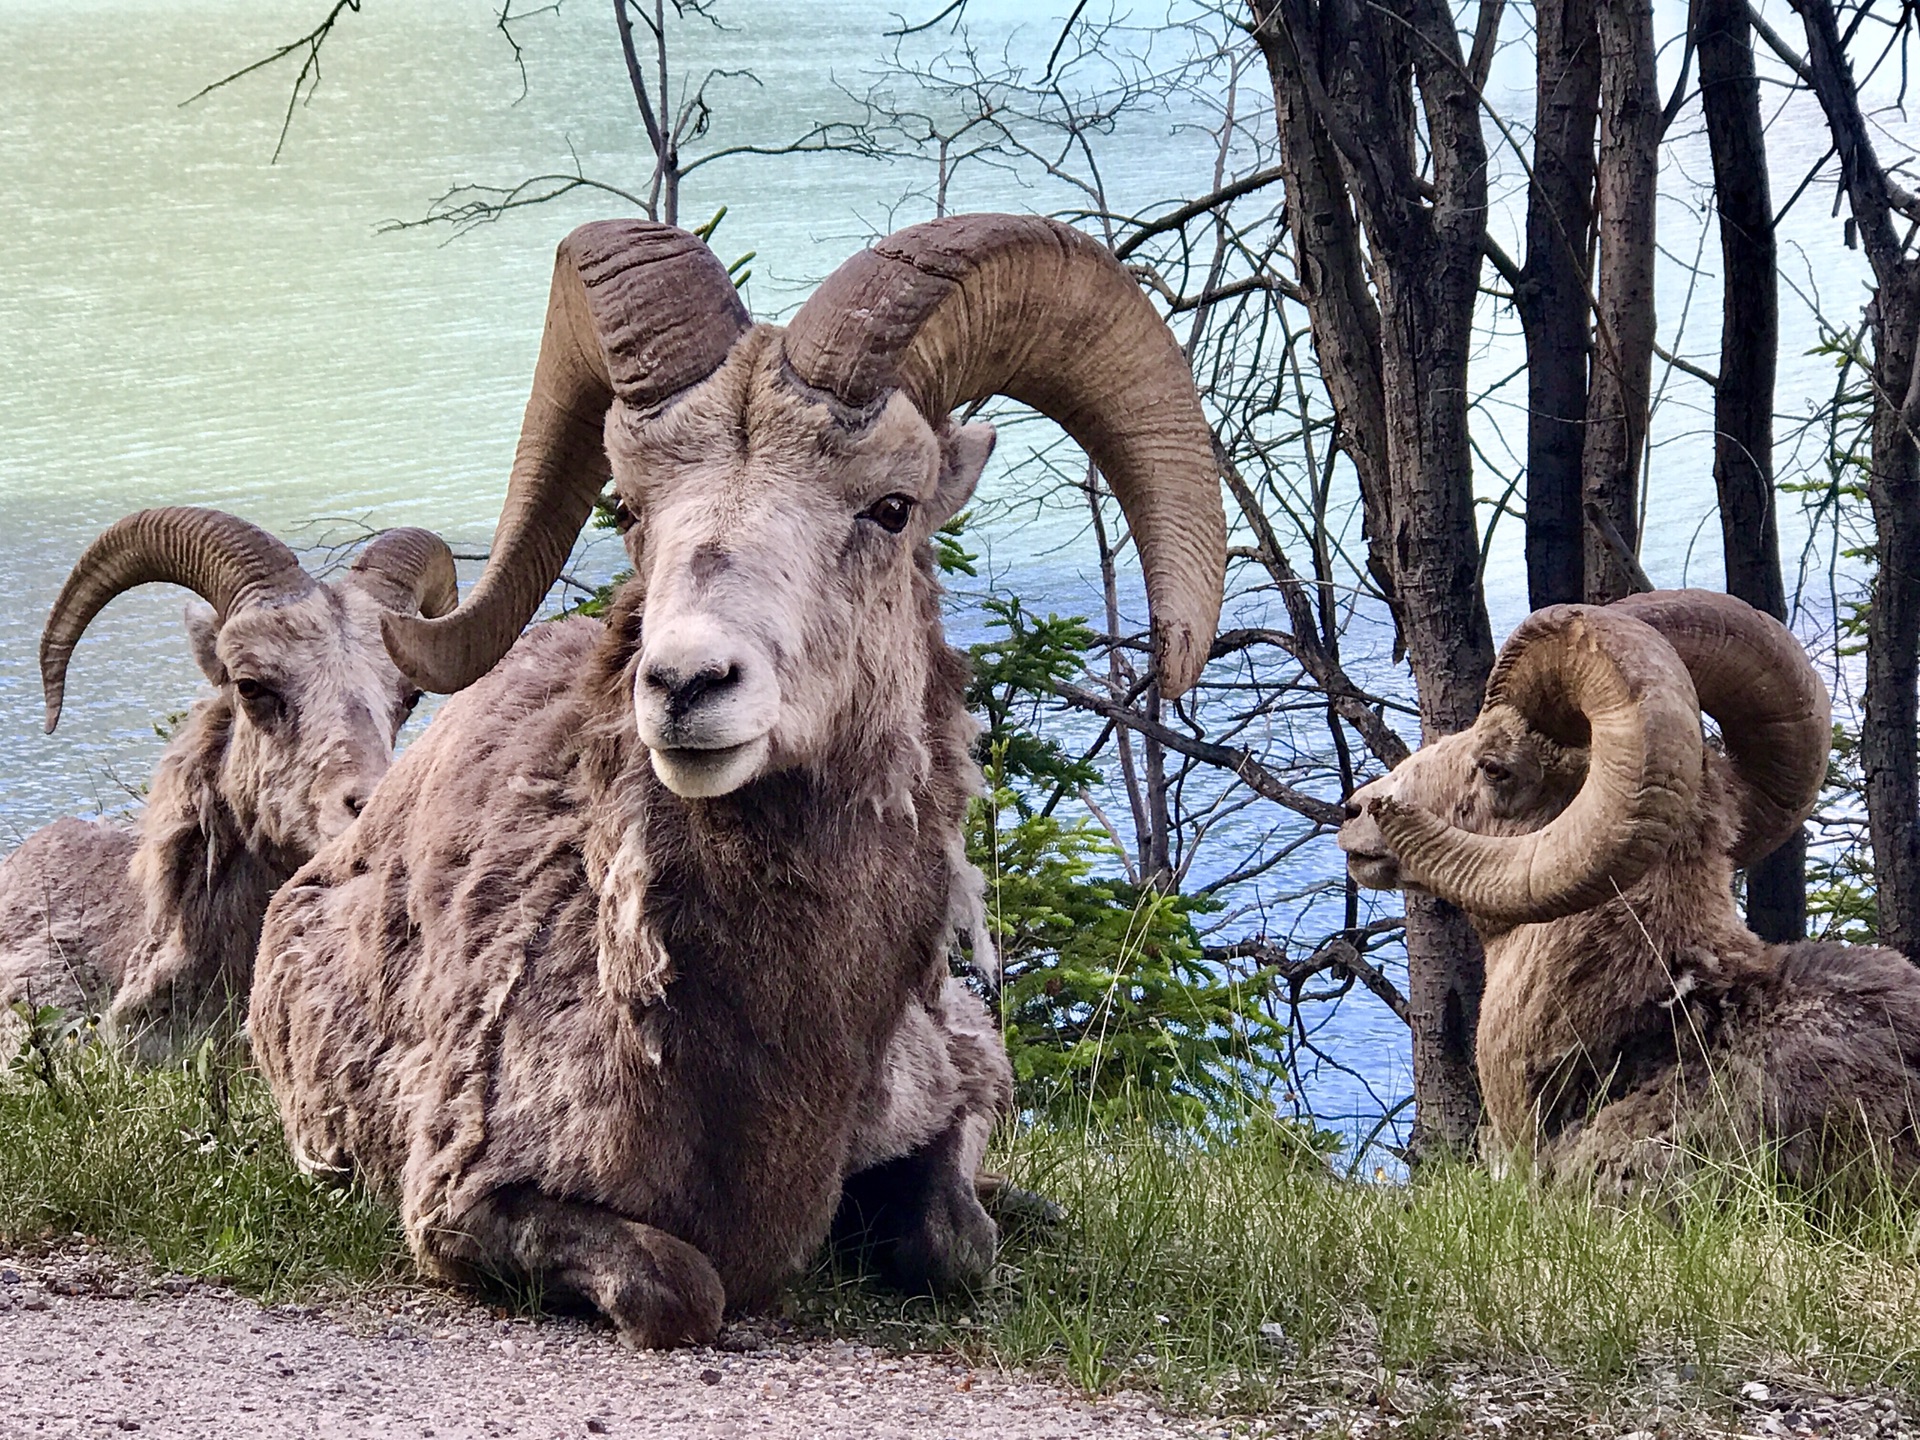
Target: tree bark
[(1552, 299), (1743, 399), (1341, 312), (1887, 740), (1345, 75), (1617, 397)]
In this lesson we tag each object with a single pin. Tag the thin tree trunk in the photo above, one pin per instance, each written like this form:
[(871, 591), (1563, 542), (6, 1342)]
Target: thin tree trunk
[(1887, 739), (1743, 400), (1623, 347), (1341, 311), (1553, 295), (1344, 76)]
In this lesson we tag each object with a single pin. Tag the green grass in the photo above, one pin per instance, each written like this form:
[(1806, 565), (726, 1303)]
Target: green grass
[(185, 1169), (1175, 1253)]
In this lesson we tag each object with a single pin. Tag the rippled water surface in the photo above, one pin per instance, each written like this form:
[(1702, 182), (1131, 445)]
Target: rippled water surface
[(183, 321)]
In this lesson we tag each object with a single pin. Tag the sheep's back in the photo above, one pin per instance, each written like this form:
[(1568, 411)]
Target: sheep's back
[(70, 916), (1837, 1034)]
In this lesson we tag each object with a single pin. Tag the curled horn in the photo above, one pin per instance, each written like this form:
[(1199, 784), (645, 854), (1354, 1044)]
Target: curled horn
[(637, 312), (1581, 675), (220, 557), (976, 305), (415, 564), (1757, 683)]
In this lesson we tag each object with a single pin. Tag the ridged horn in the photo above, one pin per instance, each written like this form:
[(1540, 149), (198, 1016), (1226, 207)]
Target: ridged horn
[(1758, 685), (969, 306), (638, 312), (1581, 675), (415, 564), (221, 558)]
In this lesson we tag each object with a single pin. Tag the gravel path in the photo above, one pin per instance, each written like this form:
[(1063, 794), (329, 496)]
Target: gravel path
[(90, 1348), (198, 1364)]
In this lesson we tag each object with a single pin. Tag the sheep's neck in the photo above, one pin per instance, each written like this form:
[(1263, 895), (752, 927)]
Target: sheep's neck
[(1579, 1010), (205, 887)]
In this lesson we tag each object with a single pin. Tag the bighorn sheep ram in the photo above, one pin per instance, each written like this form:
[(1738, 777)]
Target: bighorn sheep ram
[(1630, 1020), (165, 914), (642, 950)]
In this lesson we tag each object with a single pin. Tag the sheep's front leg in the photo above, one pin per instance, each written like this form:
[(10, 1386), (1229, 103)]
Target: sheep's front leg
[(910, 1199), (658, 1291), (919, 1216)]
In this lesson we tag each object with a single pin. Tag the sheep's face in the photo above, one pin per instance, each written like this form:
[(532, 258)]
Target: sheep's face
[(776, 548), (1499, 777), (316, 707)]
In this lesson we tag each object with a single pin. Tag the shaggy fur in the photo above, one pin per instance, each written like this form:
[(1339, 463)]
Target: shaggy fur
[(165, 916), (1616, 1043), (622, 1041)]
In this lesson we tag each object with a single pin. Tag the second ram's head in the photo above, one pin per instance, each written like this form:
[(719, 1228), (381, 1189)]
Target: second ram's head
[(308, 703), (1587, 765)]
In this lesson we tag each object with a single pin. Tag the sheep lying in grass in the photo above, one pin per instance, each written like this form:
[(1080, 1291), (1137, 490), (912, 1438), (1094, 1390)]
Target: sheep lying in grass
[(1630, 1019), (642, 950), (164, 914)]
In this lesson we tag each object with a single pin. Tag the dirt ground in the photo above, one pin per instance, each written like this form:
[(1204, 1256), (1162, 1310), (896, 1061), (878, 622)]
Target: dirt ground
[(89, 1350)]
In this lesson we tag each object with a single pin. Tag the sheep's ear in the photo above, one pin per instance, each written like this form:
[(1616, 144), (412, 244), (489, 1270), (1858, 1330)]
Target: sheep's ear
[(964, 450), (203, 633)]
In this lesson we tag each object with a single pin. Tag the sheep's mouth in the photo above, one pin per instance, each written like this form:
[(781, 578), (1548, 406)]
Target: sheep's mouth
[(1374, 869), (697, 773)]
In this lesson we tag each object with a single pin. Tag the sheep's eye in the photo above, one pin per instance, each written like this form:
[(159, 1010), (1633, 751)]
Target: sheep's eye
[(261, 701), (890, 513), (1495, 771)]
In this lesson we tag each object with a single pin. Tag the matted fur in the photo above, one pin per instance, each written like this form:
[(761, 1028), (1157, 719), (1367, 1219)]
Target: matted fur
[(164, 915), (1636, 1035)]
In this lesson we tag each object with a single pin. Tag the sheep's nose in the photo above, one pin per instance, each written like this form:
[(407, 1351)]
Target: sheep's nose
[(1353, 809), (685, 687)]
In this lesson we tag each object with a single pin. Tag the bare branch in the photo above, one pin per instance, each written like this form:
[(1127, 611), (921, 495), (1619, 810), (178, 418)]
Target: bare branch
[(308, 78), (1239, 762)]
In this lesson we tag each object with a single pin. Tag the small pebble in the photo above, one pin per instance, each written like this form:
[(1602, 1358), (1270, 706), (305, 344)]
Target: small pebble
[(709, 1377)]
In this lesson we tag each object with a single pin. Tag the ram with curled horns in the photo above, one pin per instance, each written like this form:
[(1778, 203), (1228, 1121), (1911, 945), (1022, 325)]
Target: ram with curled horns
[(163, 916), (641, 952), (1631, 1024)]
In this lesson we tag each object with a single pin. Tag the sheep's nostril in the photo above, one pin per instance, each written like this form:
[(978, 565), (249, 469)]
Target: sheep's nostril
[(1352, 809), (684, 691)]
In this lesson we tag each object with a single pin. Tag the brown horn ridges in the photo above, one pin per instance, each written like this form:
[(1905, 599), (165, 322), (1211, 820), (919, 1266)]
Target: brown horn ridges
[(220, 557), (416, 565), (1772, 709), (637, 311), (1589, 676), (975, 305)]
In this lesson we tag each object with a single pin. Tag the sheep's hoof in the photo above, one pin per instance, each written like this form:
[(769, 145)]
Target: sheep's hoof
[(658, 1291), (671, 1297), (920, 1223), (1018, 1211)]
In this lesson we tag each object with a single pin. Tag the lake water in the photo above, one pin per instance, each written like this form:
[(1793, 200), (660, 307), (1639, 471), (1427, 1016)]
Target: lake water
[(183, 321)]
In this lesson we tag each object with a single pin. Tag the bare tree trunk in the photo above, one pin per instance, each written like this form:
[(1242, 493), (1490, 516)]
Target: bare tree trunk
[(1345, 76), (1552, 297), (1333, 279), (1743, 399), (1623, 348), (1887, 740)]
